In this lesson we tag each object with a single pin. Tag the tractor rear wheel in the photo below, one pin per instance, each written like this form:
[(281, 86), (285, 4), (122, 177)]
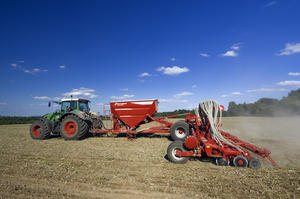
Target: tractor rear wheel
[(179, 130), (40, 129), (254, 163), (240, 161), (171, 152), (73, 128)]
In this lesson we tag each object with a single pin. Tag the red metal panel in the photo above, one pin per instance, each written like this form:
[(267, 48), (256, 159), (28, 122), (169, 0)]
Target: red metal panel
[(133, 113)]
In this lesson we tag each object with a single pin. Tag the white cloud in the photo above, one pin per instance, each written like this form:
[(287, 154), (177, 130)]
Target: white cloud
[(271, 3), (62, 67), (224, 95), (172, 101), (3, 103), (34, 71), (266, 90), (125, 96), (230, 53), (179, 95), (46, 98), (289, 83), (233, 53), (233, 93), (125, 89), (25, 70), (236, 46), (294, 74), (175, 70), (56, 98), (173, 59), (204, 54), (81, 92), (41, 98), (21, 61), (290, 48), (145, 74), (194, 86), (236, 93)]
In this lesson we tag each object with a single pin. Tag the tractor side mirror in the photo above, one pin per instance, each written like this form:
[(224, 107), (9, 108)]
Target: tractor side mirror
[(49, 104)]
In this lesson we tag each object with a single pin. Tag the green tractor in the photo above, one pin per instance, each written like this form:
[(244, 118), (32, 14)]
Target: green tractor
[(73, 121)]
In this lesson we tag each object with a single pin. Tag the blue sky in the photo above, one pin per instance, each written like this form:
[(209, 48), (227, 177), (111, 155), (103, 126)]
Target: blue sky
[(180, 52)]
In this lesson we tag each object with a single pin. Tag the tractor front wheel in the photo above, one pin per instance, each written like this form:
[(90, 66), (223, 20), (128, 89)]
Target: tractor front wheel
[(180, 130), (40, 129), (171, 152), (73, 128)]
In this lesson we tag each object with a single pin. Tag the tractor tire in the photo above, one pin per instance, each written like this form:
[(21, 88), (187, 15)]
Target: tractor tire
[(40, 129), (73, 128), (240, 161), (254, 163), (171, 152), (179, 130)]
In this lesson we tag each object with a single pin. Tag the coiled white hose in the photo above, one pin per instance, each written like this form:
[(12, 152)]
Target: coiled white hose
[(211, 109)]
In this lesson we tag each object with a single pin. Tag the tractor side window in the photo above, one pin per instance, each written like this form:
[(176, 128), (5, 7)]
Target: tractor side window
[(64, 106), (83, 106)]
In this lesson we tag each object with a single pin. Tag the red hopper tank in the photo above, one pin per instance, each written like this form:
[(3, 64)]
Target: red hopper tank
[(133, 113)]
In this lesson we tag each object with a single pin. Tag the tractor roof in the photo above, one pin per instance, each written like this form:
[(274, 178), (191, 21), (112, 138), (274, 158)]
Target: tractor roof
[(74, 99)]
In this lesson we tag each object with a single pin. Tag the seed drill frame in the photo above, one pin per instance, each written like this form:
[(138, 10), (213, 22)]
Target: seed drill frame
[(192, 138)]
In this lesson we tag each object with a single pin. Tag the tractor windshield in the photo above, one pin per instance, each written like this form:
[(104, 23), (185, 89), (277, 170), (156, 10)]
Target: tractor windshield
[(83, 106), (68, 106)]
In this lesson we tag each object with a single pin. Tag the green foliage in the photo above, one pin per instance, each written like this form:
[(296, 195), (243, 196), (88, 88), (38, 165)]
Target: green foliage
[(17, 120), (287, 106)]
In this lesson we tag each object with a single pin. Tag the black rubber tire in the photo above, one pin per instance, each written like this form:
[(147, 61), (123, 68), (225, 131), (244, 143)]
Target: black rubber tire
[(40, 129), (240, 161), (180, 125), (254, 163), (222, 162), (171, 151), (79, 128)]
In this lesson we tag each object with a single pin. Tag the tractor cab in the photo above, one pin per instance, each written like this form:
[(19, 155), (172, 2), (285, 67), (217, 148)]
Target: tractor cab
[(68, 105)]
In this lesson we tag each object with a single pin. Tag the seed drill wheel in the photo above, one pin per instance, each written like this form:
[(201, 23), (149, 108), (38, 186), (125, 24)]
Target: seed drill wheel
[(254, 163), (73, 128), (40, 129), (240, 161), (171, 152), (222, 162), (179, 130)]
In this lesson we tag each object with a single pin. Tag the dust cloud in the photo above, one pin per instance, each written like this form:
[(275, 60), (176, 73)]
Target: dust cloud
[(280, 135)]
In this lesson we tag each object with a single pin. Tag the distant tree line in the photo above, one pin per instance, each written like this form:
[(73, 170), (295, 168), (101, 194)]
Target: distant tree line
[(181, 112), (287, 106), (17, 120)]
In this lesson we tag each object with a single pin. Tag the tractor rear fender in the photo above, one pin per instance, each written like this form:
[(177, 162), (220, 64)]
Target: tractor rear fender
[(81, 115)]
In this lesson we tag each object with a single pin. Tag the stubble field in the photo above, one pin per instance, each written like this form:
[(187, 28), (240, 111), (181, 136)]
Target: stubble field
[(113, 167)]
